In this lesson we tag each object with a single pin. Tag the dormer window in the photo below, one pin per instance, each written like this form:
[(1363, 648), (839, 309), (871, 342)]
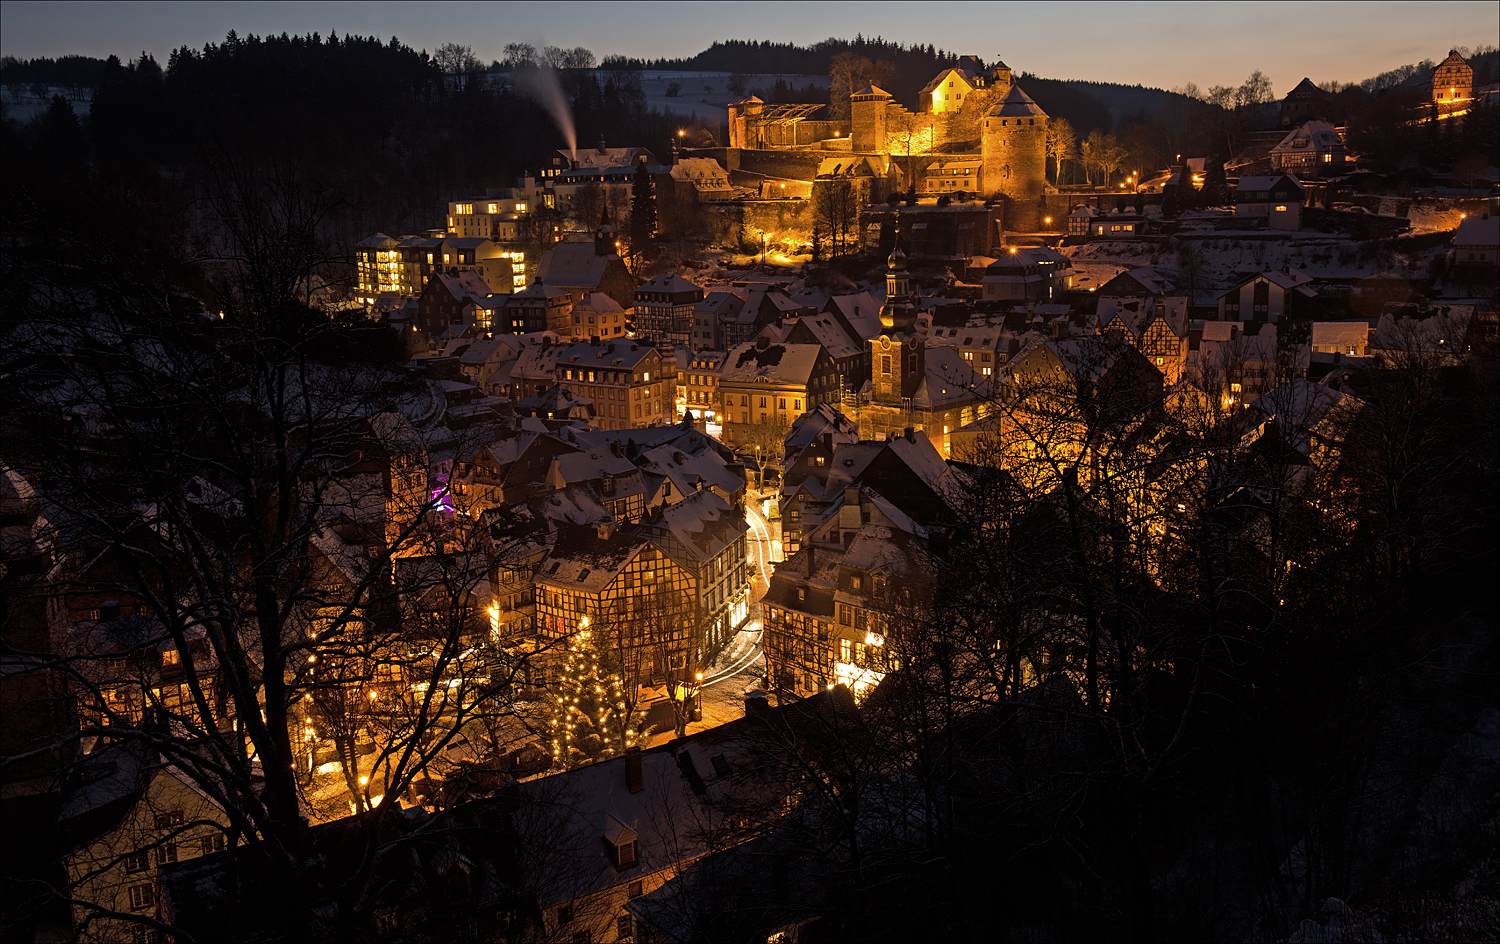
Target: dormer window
[(621, 841), (855, 582)]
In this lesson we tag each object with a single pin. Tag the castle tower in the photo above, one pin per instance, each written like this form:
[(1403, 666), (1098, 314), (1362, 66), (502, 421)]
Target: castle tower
[(1000, 77), (867, 117), (744, 115), (1014, 152)]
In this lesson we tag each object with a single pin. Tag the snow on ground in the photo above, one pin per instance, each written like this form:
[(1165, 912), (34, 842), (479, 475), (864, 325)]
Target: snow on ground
[(706, 95), (21, 105), (1430, 218), (1089, 273), (1227, 259)]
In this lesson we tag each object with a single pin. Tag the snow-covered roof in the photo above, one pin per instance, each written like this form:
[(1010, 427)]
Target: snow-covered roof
[(615, 355), (466, 286), (831, 335), (1340, 333), (1310, 136), (1478, 232), (573, 264), (609, 156), (1256, 184), (668, 282), (599, 303), (871, 89), (1016, 104), (777, 363), (1287, 281), (862, 312)]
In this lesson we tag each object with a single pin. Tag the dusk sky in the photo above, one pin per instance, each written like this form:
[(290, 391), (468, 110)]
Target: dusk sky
[(1160, 45)]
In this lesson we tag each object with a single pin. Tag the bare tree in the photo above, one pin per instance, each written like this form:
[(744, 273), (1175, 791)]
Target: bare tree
[(213, 453), (454, 59), (836, 207), (1062, 145)]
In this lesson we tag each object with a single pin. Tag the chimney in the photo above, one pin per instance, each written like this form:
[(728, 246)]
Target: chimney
[(634, 778), (910, 434), (755, 703), (810, 563), (849, 513), (828, 442), (605, 529), (618, 448)]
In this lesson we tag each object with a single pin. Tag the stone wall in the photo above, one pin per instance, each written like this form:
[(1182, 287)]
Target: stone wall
[(1015, 160)]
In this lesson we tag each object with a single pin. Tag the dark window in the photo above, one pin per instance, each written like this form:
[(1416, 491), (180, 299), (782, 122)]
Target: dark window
[(623, 928), (626, 853), (635, 890), (565, 914)]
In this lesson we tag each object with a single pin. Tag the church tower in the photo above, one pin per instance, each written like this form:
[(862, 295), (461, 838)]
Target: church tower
[(604, 237), (1013, 148), (898, 313)]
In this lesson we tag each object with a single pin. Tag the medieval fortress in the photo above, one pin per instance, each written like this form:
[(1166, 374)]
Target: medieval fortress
[(976, 134)]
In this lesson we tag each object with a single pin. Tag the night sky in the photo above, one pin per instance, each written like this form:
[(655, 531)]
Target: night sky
[(1162, 45)]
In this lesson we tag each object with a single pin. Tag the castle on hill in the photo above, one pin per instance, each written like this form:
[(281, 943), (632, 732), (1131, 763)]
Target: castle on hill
[(976, 134)]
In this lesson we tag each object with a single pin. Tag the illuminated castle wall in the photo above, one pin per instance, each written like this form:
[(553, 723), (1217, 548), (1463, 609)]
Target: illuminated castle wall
[(1013, 148)]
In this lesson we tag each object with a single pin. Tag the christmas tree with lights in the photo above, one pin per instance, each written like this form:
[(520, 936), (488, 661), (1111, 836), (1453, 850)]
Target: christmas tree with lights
[(589, 717)]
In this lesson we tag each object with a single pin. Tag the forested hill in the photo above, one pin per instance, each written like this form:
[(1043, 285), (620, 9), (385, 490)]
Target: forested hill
[(757, 56), (1086, 105)]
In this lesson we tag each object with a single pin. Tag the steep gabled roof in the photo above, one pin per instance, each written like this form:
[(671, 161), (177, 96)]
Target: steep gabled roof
[(1016, 104)]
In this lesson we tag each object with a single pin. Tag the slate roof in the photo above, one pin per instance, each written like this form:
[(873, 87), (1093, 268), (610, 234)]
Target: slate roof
[(831, 335), (1309, 137), (777, 363), (1016, 104), (573, 265)]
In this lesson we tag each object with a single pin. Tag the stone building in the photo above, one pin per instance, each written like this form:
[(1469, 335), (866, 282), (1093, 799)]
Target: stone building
[(1014, 152)]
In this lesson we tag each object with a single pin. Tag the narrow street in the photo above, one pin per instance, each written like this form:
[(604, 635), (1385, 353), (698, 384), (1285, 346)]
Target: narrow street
[(740, 667)]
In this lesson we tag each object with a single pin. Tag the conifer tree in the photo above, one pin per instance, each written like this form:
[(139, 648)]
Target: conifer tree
[(588, 717), (642, 211), (1215, 185)]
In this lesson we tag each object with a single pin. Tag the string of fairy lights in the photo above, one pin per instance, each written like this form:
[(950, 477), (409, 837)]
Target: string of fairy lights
[(588, 701)]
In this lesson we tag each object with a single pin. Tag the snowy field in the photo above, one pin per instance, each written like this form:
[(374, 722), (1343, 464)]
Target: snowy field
[(705, 95), (22, 105)]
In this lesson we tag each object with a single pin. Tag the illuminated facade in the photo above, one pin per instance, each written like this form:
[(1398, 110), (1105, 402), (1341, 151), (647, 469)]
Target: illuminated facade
[(639, 603), (664, 308), (706, 536), (946, 92), (388, 266), (497, 218), (626, 381), (1452, 80), (703, 397), (835, 606), (769, 385), (378, 269)]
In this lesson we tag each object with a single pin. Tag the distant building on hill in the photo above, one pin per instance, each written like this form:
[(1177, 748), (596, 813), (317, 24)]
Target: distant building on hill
[(1452, 80), (1303, 103)]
